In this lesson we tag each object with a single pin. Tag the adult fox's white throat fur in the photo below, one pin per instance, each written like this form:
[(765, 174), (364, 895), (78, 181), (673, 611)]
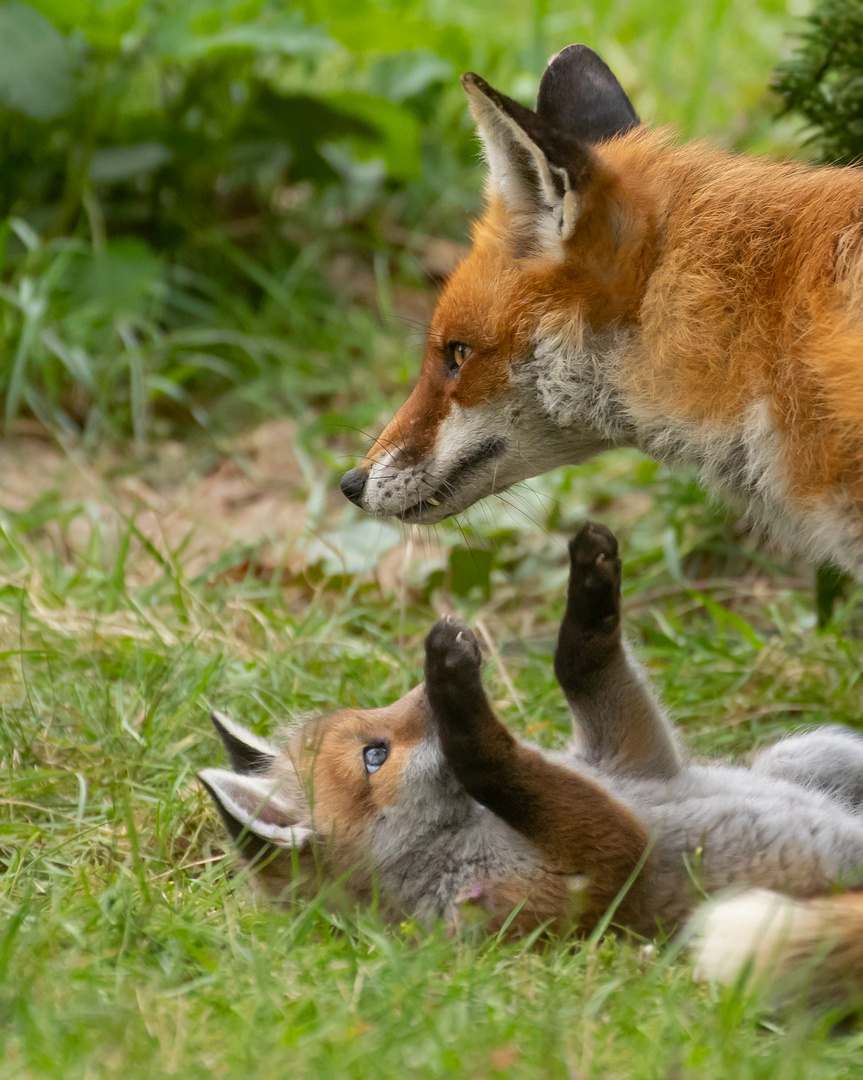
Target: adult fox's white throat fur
[(432, 802), (624, 290)]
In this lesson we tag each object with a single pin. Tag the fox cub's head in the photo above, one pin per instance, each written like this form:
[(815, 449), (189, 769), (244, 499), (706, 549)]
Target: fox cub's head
[(548, 295), (341, 793), (366, 798)]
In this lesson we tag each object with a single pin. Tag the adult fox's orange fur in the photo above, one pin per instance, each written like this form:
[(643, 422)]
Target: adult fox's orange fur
[(626, 290)]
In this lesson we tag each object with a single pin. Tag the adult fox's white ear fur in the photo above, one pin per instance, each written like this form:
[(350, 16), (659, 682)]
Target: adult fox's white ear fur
[(254, 812), (535, 170), (539, 161), (249, 753)]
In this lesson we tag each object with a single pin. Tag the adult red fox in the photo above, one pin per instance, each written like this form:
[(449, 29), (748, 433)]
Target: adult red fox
[(434, 802), (625, 290)]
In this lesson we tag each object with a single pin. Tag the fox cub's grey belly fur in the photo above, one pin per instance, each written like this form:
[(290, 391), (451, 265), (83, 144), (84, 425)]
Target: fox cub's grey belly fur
[(793, 822), (718, 825)]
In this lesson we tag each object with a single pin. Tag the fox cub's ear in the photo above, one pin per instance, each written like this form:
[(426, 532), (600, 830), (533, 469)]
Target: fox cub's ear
[(254, 812), (249, 753), (540, 161)]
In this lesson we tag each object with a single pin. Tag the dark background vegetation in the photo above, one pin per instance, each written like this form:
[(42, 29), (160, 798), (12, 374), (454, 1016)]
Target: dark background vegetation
[(179, 179)]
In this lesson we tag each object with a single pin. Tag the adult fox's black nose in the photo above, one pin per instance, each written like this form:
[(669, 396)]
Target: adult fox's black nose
[(352, 485)]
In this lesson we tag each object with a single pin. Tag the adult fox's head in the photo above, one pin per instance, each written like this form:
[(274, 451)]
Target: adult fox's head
[(513, 375)]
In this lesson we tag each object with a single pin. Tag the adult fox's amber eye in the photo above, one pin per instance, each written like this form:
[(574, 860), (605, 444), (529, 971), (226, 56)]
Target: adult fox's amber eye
[(374, 757), (456, 354)]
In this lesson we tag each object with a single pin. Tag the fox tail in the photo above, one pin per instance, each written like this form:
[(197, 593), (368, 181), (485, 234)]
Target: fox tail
[(813, 946)]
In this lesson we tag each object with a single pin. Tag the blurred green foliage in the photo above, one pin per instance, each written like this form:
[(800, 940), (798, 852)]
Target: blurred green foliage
[(823, 80), (178, 177)]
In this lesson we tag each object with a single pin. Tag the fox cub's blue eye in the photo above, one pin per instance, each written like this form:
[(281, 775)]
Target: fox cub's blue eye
[(374, 757)]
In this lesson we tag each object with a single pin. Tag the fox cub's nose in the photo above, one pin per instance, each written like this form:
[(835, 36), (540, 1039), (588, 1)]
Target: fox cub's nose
[(353, 484)]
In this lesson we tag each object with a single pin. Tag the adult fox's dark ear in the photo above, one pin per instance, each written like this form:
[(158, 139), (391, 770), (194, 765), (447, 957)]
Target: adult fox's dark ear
[(249, 753), (579, 95), (540, 162)]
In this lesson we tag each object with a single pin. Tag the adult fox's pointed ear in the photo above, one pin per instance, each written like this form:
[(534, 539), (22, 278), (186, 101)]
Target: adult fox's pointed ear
[(254, 812), (579, 95), (540, 162), (249, 753)]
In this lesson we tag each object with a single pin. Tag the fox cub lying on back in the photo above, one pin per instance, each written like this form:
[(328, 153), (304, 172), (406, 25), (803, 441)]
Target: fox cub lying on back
[(626, 290), (432, 799)]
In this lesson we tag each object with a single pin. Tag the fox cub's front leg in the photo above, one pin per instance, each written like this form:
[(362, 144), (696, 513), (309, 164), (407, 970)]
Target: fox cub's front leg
[(578, 826), (620, 719)]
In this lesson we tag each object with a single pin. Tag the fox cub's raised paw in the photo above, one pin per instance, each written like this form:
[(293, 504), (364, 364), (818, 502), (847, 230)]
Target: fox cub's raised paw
[(594, 579), (451, 650)]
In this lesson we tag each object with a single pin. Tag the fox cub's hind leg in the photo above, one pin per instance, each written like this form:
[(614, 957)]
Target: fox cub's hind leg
[(622, 724), (829, 759), (579, 827)]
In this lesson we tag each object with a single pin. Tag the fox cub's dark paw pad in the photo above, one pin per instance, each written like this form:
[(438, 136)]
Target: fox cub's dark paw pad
[(451, 648), (593, 549), (594, 576)]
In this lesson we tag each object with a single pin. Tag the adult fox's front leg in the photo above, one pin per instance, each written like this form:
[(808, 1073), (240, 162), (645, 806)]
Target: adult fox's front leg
[(622, 724), (569, 817)]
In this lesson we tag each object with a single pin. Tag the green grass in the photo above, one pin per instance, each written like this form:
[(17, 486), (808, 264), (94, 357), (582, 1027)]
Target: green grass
[(130, 943)]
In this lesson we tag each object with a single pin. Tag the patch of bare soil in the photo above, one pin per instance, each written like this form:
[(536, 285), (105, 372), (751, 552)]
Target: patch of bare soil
[(244, 503)]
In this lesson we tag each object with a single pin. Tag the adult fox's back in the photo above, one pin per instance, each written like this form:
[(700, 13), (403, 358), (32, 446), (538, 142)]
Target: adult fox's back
[(623, 290)]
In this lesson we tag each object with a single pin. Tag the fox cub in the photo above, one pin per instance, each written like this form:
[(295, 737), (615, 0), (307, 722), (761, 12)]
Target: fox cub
[(626, 290), (433, 801)]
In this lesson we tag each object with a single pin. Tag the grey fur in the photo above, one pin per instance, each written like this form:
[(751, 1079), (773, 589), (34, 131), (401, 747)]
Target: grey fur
[(792, 823), (428, 850), (779, 827), (617, 701), (828, 759)]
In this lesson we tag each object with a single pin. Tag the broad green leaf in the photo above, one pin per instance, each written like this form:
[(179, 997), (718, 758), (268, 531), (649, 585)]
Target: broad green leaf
[(470, 568), (355, 549), (398, 141), (411, 73), (119, 280), (35, 76), (382, 32), (180, 38), (126, 162), (64, 14), (104, 23)]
